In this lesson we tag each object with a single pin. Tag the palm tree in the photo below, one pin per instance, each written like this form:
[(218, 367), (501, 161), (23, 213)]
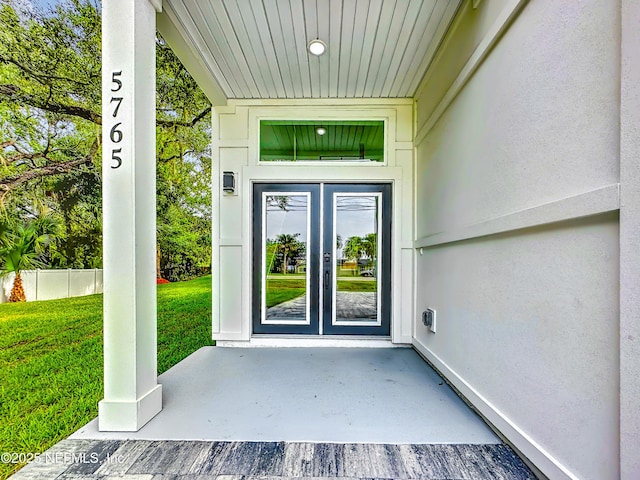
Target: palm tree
[(22, 246), (370, 246), (289, 246)]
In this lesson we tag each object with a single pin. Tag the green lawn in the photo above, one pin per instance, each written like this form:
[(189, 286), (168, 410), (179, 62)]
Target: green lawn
[(358, 285), (281, 288), (51, 360)]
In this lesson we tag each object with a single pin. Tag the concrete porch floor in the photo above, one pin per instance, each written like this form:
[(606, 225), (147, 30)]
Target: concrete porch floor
[(275, 413), (344, 395)]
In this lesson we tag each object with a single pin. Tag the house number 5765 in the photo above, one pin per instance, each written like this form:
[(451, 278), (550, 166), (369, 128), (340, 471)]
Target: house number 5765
[(116, 134)]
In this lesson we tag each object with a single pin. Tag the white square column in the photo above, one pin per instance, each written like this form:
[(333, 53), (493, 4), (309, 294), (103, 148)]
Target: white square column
[(132, 395)]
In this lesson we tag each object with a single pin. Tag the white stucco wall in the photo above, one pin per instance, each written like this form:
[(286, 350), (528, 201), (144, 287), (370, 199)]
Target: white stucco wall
[(527, 295), (236, 148)]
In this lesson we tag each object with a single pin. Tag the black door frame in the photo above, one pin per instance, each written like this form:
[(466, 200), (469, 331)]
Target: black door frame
[(314, 259), (317, 265), (385, 273)]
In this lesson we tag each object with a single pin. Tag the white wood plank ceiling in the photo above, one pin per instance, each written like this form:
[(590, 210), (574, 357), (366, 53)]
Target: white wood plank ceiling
[(258, 48)]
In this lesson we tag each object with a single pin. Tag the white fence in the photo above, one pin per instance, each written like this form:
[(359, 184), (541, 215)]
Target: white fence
[(50, 284)]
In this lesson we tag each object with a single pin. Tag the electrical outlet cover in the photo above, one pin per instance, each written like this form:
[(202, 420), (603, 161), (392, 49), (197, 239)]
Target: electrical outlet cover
[(432, 314)]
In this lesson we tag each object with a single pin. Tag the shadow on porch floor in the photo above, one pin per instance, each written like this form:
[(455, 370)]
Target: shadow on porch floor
[(232, 413)]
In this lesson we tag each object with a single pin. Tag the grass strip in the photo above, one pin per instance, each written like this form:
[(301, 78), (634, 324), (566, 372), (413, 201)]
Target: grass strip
[(280, 290), (51, 364)]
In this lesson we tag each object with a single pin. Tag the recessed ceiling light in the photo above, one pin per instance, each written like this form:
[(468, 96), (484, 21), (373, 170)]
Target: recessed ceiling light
[(321, 131), (316, 47)]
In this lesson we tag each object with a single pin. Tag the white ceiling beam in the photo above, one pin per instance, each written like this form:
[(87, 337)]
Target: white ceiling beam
[(191, 60), (157, 5)]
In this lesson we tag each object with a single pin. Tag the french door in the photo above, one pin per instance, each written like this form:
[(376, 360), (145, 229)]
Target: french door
[(321, 258)]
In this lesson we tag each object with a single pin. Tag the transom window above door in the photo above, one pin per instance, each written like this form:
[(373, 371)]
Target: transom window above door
[(315, 140)]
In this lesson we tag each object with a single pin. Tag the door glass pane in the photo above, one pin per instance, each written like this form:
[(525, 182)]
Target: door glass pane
[(285, 256), (357, 219)]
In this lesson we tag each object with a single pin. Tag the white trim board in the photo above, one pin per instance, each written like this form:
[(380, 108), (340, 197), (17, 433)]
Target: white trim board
[(157, 5), (594, 202), (274, 341), (534, 452), (502, 23)]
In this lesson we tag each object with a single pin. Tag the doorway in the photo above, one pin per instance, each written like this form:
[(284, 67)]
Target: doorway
[(321, 258)]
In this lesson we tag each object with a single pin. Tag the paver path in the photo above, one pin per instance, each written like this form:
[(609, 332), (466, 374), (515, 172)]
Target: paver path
[(200, 460), (350, 306), (290, 310)]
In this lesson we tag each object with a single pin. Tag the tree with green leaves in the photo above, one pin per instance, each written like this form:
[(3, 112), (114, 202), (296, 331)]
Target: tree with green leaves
[(289, 247), (50, 137), (370, 246), (49, 94), (354, 248)]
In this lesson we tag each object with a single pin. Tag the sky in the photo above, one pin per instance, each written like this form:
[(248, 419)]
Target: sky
[(44, 5), (355, 217), (36, 4)]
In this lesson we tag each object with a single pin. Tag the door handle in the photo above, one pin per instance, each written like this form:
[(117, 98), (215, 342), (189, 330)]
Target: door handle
[(327, 266)]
